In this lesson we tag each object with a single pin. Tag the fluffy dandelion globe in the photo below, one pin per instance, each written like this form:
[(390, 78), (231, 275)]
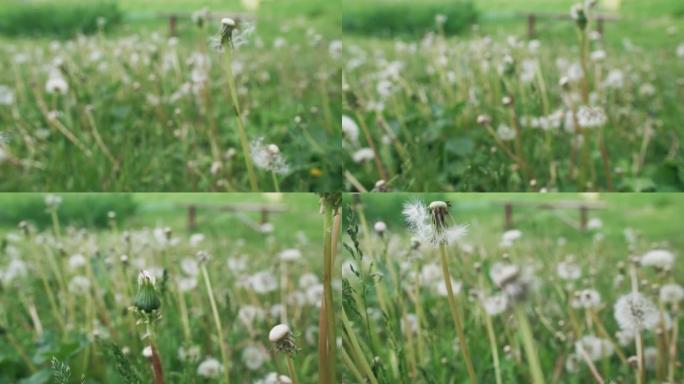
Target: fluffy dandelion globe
[(210, 368), (658, 258), (380, 227), (635, 312)]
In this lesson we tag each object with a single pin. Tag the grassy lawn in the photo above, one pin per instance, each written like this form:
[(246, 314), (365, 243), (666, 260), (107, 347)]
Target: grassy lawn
[(402, 318)]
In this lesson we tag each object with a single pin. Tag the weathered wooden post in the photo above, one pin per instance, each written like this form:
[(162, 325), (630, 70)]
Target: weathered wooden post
[(599, 25), (264, 215), (583, 217), (531, 25), (192, 217), (508, 216), (173, 21)]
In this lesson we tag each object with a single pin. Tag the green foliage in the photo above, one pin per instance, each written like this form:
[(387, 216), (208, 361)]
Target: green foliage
[(403, 18), (128, 372), (56, 18), (76, 209), (61, 372)]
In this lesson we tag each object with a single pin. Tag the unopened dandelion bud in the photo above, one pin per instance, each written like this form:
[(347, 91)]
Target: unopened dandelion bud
[(281, 338), (578, 13), (147, 300)]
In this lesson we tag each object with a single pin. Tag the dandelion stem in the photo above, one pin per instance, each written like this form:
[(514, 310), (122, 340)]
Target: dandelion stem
[(291, 369), (456, 315), (217, 323), (244, 141), (327, 345), (528, 344)]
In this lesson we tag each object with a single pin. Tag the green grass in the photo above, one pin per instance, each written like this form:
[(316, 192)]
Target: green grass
[(26, 352), (275, 88), (444, 85), (391, 285)]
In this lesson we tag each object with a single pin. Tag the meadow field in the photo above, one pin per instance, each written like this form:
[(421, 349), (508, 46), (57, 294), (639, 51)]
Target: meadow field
[(472, 103), (138, 297), (436, 289), (252, 105)]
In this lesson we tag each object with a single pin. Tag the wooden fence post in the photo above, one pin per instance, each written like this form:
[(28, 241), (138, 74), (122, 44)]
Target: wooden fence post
[(531, 25), (508, 216), (583, 217), (192, 217), (173, 21)]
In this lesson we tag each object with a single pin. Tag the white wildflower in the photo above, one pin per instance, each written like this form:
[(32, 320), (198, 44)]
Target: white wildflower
[(658, 258), (268, 157), (635, 312), (210, 368)]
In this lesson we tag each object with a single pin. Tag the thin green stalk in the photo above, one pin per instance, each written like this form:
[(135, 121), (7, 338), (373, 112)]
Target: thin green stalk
[(244, 141), (456, 315), (291, 369), (528, 344), (329, 360), (217, 323)]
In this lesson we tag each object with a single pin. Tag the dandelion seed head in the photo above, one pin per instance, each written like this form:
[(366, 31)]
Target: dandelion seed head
[(210, 368), (671, 293), (658, 258), (594, 347), (495, 305), (635, 312)]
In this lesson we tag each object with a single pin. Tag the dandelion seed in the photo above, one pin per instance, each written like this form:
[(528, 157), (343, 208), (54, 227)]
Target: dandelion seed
[(505, 132)]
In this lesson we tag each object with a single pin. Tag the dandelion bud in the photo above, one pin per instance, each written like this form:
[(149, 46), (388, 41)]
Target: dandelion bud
[(564, 82), (146, 300), (281, 338), (578, 13)]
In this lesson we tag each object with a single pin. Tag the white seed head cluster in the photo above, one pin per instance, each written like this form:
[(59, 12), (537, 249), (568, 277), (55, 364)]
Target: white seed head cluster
[(595, 348), (210, 368), (636, 312), (658, 258), (268, 157), (428, 224)]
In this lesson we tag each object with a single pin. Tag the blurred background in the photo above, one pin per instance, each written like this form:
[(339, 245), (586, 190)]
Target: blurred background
[(216, 215), (610, 217), (646, 23), (65, 18)]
